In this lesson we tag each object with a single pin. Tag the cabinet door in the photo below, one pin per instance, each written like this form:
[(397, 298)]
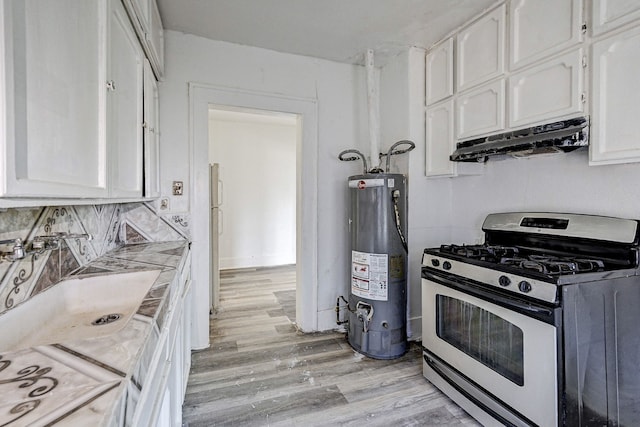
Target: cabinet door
[(536, 33), (440, 140), (615, 106), (155, 38), (609, 14), (481, 111), (151, 135), (439, 70), (141, 10), (550, 90), (125, 99), (480, 50), (52, 98), (147, 24)]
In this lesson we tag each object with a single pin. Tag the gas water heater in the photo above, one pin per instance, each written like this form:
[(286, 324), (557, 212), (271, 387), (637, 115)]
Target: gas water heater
[(378, 277)]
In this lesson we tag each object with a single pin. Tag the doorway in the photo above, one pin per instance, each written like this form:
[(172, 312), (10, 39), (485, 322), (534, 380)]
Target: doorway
[(201, 98), (252, 154)]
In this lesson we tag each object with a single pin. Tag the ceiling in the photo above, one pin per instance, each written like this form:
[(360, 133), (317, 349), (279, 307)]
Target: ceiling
[(337, 30)]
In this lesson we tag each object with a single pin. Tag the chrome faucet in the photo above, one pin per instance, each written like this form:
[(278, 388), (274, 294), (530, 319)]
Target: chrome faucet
[(52, 241), (17, 251), (39, 244)]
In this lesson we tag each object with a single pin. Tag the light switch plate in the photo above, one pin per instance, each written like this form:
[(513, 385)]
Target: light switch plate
[(177, 188)]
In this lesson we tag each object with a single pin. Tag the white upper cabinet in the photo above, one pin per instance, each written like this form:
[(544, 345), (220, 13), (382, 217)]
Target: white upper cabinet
[(615, 107), (156, 39), (480, 50), (151, 138), (609, 14), (145, 17), (125, 102), (439, 70), (548, 91), (141, 9), (481, 111), (441, 140), (52, 99), (541, 28)]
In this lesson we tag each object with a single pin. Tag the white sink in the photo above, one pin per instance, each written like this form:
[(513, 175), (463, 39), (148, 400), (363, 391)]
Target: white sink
[(75, 309)]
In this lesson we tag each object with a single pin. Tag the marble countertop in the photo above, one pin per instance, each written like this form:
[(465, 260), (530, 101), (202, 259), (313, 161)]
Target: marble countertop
[(94, 381)]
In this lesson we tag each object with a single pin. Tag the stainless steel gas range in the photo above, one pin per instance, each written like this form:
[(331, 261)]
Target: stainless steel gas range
[(540, 325)]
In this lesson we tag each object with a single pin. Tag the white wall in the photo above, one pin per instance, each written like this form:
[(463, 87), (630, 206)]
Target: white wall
[(402, 99), (257, 157), (557, 183), (340, 93)]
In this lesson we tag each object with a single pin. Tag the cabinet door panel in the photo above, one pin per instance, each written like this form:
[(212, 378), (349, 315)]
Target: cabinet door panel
[(550, 90), (481, 111), (151, 135), (141, 10), (56, 135), (156, 38), (125, 106), (440, 140), (609, 14), (615, 107), (480, 50), (439, 67), (536, 33)]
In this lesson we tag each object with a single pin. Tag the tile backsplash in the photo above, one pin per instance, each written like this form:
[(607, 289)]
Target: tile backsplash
[(110, 225)]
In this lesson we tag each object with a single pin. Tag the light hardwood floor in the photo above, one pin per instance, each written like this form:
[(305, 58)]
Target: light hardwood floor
[(260, 371)]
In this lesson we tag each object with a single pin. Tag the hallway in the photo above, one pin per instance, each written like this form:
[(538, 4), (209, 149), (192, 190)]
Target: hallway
[(260, 371)]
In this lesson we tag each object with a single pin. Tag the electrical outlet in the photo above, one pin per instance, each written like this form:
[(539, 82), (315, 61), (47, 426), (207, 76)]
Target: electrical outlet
[(177, 188)]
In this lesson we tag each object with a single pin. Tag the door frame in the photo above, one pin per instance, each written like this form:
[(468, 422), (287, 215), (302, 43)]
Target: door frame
[(201, 97)]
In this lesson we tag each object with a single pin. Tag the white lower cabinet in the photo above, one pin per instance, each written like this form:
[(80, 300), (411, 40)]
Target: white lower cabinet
[(548, 91), (481, 110), (162, 395), (615, 107)]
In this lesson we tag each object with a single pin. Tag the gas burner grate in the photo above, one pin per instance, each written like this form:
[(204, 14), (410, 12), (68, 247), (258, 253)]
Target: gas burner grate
[(482, 252), (547, 264), (513, 256)]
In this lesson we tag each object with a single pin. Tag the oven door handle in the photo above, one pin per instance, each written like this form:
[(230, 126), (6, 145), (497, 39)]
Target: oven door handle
[(539, 312)]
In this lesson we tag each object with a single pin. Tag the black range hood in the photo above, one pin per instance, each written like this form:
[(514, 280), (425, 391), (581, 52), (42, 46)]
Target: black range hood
[(562, 136)]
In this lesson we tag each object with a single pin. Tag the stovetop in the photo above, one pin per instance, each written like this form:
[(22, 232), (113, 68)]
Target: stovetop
[(534, 254), (518, 271), (529, 261)]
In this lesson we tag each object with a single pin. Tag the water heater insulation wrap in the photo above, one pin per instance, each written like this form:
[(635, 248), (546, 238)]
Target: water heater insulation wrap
[(378, 296)]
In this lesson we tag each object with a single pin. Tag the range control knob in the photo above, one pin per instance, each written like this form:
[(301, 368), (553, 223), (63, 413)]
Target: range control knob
[(504, 281), (524, 286), (446, 265), (435, 262)]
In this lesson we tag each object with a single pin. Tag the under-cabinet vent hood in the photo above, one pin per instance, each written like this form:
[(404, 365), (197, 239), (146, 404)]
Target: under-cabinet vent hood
[(563, 136)]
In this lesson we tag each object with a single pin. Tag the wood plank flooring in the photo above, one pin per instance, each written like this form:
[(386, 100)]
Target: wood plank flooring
[(260, 371)]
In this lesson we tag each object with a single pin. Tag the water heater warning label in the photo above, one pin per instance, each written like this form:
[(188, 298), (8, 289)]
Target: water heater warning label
[(369, 274)]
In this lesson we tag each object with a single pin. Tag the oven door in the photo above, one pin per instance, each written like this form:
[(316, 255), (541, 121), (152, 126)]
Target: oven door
[(503, 361)]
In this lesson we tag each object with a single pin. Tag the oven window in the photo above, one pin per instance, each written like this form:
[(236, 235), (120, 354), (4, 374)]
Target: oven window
[(487, 338)]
